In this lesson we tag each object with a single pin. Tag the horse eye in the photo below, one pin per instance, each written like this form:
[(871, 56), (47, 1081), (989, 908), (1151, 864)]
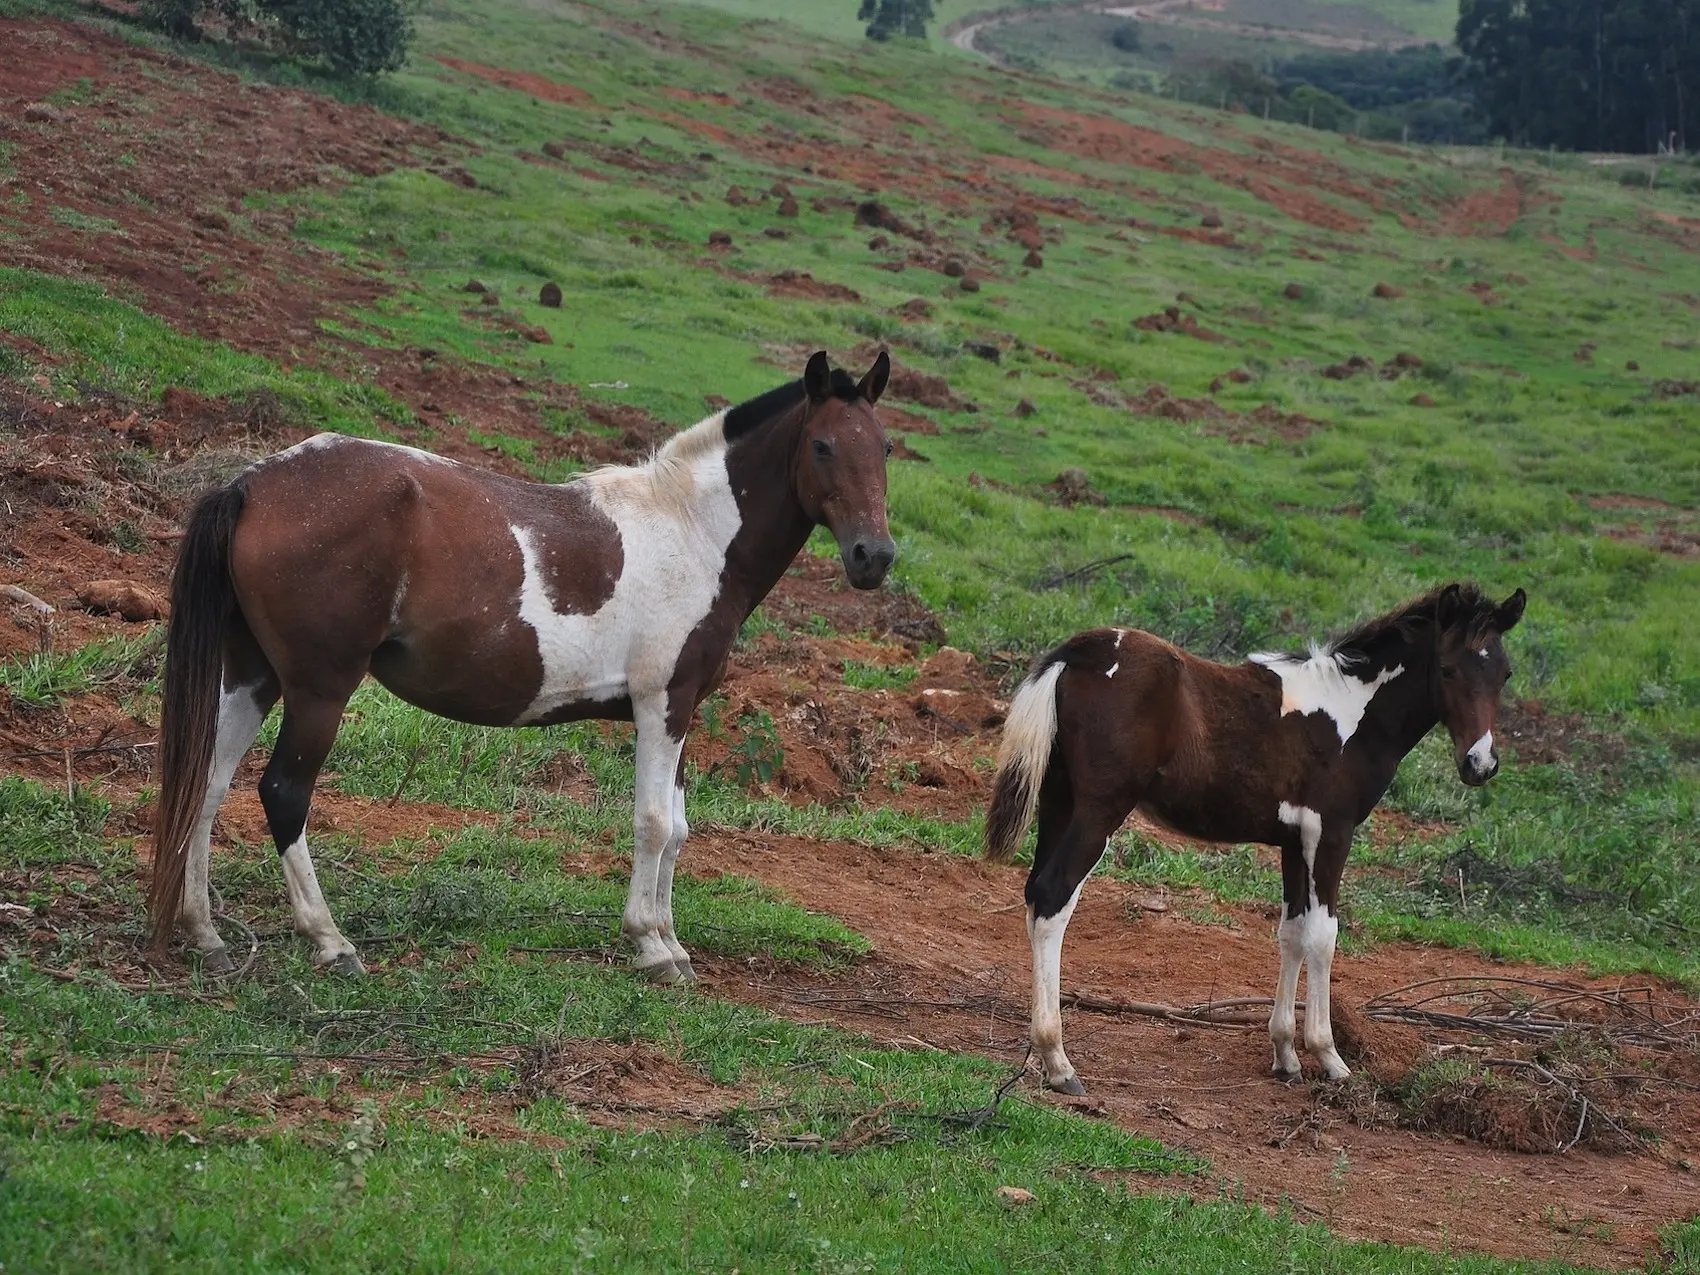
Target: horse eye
[(1508, 672), (888, 446), (823, 449), (1448, 672)]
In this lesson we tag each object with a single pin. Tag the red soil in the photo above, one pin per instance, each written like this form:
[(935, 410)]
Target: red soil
[(521, 82), (948, 931)]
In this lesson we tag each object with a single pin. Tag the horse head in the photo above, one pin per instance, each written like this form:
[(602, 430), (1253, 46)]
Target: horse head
[(1471, 669), (839, 466)]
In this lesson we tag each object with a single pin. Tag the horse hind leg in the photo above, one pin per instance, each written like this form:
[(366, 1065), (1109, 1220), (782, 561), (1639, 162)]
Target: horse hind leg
[(247, 696), (1070, 846), (286, 791)]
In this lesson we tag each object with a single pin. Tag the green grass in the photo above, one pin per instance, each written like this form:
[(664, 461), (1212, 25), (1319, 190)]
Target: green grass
[(41, 680), (383, 1175)]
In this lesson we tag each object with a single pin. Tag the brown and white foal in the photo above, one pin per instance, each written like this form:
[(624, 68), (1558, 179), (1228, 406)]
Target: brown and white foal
[(494, 601), (1290, 751)]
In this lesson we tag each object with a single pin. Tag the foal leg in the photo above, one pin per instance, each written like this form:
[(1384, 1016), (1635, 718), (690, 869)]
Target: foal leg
[(286, 791), (1062, 863), (653, 843), (241, 710), (1321, 932)]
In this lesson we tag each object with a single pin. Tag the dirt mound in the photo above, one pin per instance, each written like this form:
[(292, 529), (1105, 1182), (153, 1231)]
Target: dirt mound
[(800, 283), (1257, 426), (1173, 320), (1491, 211), (624, 1080), (927, 390)]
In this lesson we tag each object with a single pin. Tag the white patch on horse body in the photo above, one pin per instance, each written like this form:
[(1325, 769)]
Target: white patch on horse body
[(1309, 824), (1483, 653), (1113, 668), (676, 516), (320, 442), (1481, 752), (1320, 684)]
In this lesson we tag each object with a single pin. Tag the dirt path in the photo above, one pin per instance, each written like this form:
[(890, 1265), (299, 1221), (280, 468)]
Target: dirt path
[(948, 931), (1177, 13)]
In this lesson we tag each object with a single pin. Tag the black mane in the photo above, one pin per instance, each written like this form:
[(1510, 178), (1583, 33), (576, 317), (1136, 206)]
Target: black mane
[(1407, 624), (755, 412)]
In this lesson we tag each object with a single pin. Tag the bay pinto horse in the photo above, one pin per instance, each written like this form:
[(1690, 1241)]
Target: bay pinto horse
[(494, 601), (1287, 750)]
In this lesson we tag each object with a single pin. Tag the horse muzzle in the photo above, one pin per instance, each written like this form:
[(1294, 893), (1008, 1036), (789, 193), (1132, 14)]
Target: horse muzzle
[(1480, 763), (868, 559)]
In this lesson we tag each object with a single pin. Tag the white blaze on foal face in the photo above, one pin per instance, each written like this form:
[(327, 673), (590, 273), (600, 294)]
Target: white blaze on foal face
[(1319, 684)]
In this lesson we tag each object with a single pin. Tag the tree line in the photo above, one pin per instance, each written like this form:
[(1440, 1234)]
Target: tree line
[(1604, 75)]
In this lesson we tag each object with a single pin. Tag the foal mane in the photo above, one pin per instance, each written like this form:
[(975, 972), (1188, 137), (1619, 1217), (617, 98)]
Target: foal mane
[(669, 473), (1408, 623)]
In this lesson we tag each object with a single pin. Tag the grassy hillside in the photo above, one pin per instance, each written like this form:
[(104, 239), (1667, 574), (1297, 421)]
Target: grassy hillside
[(1237, 384)]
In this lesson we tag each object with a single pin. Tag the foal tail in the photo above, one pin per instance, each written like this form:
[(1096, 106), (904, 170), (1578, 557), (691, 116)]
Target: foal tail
[(202, 598), (1023, 758)]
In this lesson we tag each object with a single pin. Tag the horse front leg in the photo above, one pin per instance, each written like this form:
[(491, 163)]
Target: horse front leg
[(1322, 932), (654, 848)]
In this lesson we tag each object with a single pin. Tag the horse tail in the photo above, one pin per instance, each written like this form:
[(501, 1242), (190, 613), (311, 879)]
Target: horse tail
[(202, 599), (1023, 758)]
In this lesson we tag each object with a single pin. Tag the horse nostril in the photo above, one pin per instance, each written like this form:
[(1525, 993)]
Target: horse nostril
[(859, 553)]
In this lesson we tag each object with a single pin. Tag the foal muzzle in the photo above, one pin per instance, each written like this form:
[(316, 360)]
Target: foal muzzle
[(868, 559), (1480, 763)]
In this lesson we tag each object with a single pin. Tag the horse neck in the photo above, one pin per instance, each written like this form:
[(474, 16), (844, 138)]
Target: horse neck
[(773, 526), (1408, 708)]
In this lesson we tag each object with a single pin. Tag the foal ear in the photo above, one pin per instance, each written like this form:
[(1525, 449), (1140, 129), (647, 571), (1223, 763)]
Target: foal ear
[(1446, 608), (872, 385), (1510, 611), (817, 377)]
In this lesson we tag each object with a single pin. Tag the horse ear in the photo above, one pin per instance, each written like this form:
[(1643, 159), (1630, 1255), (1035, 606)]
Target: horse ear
[(873, 384), (1447, 607), (817, 377), (1510, 611)]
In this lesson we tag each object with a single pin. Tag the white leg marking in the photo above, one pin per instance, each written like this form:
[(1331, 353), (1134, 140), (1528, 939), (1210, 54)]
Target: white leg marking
[(1320, 932), (1282, 1017), (1113, 668), (664, 883), (312, 917), (1046, 937), (1306, 940), (652, 830), (239, 718), (1481, 752)]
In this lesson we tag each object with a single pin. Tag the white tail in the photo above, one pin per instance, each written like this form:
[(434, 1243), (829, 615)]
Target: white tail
[(1023, 758)]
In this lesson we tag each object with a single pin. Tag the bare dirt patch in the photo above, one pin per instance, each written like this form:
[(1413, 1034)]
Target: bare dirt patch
[(141, 182), (949, 971)]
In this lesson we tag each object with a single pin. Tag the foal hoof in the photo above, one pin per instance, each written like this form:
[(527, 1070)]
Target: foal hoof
[(664, 972), (216, 962), (1070, 1086), (348, 965)]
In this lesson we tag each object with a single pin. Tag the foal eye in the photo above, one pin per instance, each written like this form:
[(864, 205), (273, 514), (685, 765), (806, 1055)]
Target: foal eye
[(823, 449)]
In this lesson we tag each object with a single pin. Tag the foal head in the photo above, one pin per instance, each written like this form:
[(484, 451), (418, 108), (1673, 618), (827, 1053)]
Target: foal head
[(1471, 669), (839, 466)]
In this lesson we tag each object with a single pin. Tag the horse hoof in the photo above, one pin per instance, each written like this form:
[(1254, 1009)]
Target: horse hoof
[(1070, 1086), (686, 973), (348, 965), (216, 962), (664, 972), (1288, 1076)]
